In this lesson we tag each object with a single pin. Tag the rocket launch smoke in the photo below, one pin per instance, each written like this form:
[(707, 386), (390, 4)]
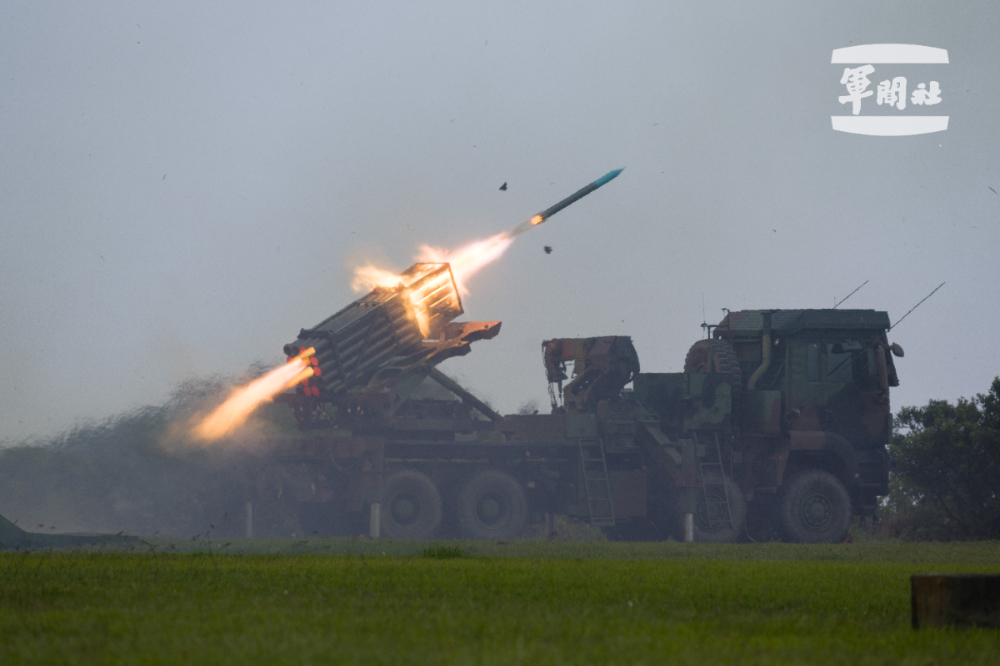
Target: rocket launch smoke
[(118, 475)]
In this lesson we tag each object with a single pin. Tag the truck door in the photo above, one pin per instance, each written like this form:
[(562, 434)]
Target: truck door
[(853, 404), (834, 385), (805, 384)]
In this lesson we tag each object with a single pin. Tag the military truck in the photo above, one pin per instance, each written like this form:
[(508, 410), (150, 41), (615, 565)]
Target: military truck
[(786, 411), (804, 429)]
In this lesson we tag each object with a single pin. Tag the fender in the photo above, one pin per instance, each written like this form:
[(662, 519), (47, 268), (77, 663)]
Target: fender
[(816, 440)]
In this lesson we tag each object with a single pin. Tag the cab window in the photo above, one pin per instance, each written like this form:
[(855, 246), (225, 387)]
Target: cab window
[(851, 362)]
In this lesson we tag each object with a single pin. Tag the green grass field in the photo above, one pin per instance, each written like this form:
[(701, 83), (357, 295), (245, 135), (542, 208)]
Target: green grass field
[(323, 601)]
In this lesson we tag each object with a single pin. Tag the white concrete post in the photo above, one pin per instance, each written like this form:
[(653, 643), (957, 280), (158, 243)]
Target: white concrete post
[(689, 527), (249, 519)]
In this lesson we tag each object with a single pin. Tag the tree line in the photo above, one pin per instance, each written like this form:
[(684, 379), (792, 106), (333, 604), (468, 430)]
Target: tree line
[(945, 470)]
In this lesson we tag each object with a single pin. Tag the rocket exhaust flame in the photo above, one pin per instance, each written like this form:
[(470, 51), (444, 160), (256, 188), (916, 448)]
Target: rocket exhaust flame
[(234, 412), (368, 277), (466, 261), (301, 377), (304, 354)]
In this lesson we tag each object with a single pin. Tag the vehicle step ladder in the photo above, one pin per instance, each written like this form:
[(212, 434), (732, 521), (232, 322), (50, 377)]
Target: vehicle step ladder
[(713, 483), (594, 467)]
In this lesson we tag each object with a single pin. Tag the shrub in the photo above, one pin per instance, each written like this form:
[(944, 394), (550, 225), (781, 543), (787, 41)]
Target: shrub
[(946, 470)]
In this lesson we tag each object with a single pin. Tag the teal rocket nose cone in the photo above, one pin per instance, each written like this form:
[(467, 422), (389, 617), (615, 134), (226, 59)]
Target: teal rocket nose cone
[(611, 175)]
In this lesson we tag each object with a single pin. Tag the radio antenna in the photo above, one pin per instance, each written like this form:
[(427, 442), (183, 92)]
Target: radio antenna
[(704, 319), (850, 294), (916, 306), (872, 343)]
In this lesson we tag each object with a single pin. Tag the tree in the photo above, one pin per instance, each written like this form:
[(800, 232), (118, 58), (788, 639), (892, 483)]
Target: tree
[(946, 469)]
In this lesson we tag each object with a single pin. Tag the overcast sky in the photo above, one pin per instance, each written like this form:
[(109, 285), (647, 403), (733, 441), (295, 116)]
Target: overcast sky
[(185, 185)]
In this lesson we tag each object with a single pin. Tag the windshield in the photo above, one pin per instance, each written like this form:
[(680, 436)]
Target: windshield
[(851, 362)]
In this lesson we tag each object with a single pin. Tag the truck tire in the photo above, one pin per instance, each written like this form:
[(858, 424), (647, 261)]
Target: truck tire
[(718, 530), (411, 506), (492, 505), (815, 508), (724, 361)]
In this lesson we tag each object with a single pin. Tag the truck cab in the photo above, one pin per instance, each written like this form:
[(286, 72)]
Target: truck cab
[(815, 403)]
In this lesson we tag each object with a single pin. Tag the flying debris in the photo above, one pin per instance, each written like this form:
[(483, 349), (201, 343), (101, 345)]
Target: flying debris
[(548, 249), (503, 188)]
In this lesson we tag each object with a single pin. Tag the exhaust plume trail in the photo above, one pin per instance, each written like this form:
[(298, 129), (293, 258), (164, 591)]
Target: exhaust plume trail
[(465, 261), (231, 414)]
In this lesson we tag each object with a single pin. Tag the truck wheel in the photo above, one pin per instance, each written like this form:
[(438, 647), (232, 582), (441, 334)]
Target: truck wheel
[(815, 508), (411, 506), (710, 520), (492, 505), (724, 361)]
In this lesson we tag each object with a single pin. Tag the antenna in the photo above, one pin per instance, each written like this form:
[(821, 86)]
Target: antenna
[(916, 306), (872, 343), (850, 294), (704, 319)]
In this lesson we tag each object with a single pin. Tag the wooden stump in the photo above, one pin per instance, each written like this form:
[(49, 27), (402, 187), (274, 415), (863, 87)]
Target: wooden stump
[(955, 599)]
